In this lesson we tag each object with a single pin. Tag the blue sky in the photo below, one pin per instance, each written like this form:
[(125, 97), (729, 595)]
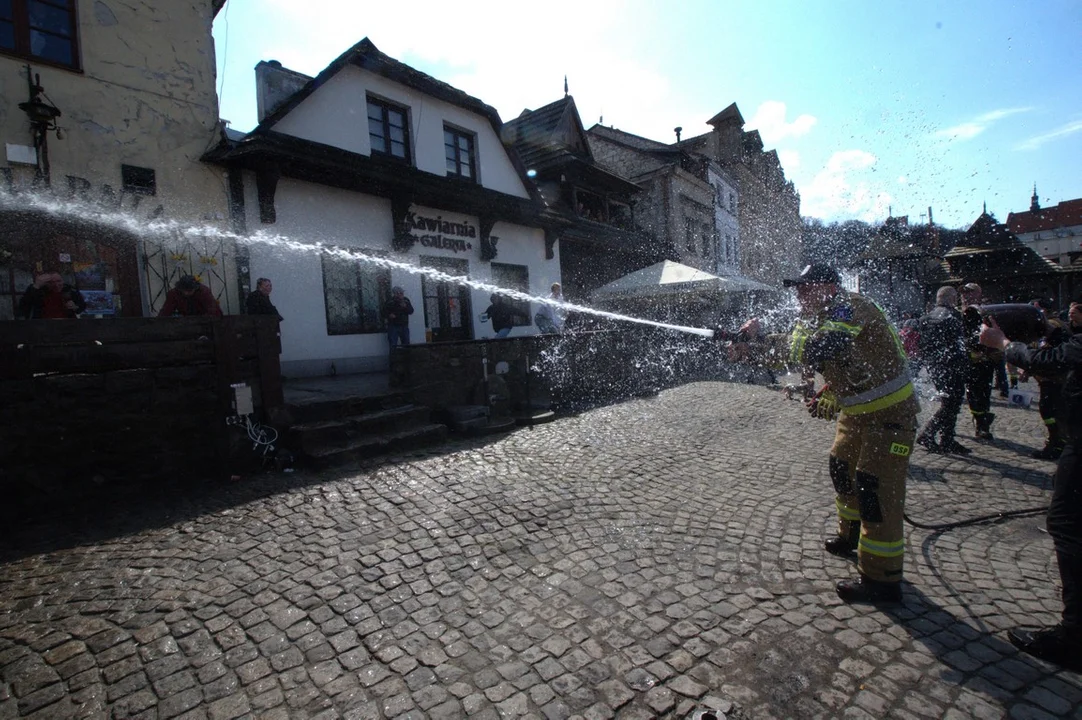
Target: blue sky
[(870, 105)]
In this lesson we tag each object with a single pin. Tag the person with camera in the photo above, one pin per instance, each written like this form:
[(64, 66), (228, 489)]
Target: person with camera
[(849, 340), (1062, 643)]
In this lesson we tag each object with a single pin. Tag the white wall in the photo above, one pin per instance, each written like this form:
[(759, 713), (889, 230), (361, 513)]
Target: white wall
[(311, 213), (336, 114)]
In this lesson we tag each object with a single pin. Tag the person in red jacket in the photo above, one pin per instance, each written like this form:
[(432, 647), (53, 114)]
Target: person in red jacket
[(190, 297)]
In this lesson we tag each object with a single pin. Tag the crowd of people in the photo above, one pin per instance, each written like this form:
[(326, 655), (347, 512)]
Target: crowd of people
[(49, 297)]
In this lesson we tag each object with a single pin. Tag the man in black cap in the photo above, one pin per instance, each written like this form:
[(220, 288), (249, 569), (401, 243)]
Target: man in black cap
[(848, 339)]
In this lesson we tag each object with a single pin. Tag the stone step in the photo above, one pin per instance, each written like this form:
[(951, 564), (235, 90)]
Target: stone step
[(312, 411), (347, 429), (372, 445)]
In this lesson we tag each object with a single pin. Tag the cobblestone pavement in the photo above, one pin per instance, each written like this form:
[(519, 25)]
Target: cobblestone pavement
[(642, 560)]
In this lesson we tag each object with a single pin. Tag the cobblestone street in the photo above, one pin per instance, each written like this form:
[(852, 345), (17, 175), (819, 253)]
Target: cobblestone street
[(647, 559)]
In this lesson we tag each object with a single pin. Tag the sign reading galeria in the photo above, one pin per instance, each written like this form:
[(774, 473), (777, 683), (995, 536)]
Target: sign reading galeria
[(432, 230)]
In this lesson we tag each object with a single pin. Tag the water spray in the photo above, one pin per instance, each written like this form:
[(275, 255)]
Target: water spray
[(173, 228)]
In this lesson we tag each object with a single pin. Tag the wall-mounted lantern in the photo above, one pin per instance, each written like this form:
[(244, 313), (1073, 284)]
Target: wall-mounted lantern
[(43, 117)]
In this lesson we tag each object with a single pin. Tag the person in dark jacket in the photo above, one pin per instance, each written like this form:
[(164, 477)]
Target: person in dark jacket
[(1051, 386), (189, 297), (982, 364), (942, 347), (502, 316), (397, 312), (259, 303), (1062, 643), (50, 298)]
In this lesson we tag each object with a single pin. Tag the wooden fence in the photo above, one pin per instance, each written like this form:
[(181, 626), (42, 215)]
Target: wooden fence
[(124, 396)]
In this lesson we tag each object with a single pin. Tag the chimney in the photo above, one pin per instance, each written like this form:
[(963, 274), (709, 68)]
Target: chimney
[(678, 130), (274, 85)]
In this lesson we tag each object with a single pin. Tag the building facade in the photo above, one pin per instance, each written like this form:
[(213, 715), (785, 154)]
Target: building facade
[(592, 209), (365, 177), (110, 107), (678, 204), (771, 230), (1053, 232)]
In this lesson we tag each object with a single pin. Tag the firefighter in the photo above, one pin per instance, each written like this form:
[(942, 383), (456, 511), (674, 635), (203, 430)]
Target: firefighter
[(848, 339), (1050, 386), (983, 362)]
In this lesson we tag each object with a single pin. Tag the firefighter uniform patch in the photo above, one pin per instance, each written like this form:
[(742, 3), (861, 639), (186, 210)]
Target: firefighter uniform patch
[(899, 449), (843, 313)]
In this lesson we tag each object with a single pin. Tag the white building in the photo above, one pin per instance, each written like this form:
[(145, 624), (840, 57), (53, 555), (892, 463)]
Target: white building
[(1054, 232), (372, 156)]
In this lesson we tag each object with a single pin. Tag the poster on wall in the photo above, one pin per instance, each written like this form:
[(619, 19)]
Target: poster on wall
[(98, 302), (89, 276)]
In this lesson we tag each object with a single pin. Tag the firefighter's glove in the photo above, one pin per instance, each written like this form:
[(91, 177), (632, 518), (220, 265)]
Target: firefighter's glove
[(824, 406)]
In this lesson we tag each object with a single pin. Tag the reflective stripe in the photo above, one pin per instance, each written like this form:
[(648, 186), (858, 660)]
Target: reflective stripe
[(845, 512), (877, 392), (882, 549), (796, 352), (836, 326), (884, 402)]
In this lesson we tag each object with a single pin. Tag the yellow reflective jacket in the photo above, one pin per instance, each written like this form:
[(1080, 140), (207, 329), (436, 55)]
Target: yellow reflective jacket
[(857, 350)]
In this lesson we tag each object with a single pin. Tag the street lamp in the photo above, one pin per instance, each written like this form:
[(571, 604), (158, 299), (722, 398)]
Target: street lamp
[(42, 119)]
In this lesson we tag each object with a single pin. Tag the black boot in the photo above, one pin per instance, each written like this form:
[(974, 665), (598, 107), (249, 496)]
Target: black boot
[(1050, 451), (845, 547), (983, 425), (866, 590), (954, 447), (1059, 644), (1053, 447), (927, 441)]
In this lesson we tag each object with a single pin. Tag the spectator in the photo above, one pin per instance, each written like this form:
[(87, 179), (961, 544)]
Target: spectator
[(51, 298), (942, 347), (397, 312), (189, 298), (550, 319), (1050, 386), (983, 362), (502, 316), (1061, 643), (259, 300)]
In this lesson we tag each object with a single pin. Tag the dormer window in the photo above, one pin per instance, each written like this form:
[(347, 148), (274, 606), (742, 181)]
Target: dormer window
[(388, 130), (459, 149)]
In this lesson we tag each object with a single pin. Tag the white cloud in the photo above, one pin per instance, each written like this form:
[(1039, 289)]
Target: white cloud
[(844, 189), (789, 159), (769, 120), (972, 128), (903, 180), (1035, 142)]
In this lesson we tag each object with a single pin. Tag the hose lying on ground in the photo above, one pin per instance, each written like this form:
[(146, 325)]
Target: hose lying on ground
[(994, 517)]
